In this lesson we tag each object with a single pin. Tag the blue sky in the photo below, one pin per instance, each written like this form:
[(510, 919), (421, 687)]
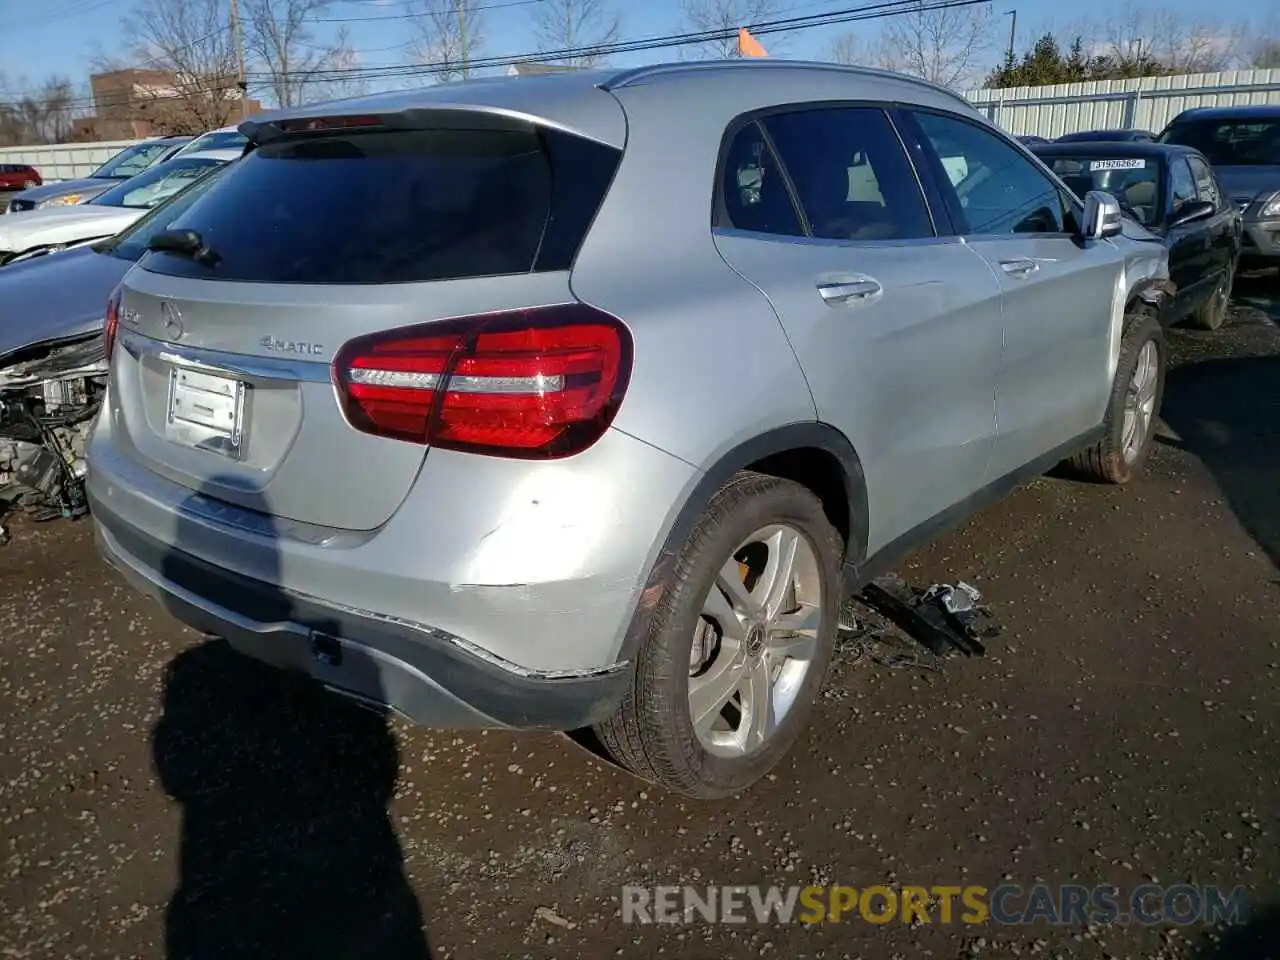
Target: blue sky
[(60, 36)]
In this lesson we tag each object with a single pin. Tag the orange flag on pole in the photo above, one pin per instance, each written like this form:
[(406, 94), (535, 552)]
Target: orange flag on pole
[(749, 46)]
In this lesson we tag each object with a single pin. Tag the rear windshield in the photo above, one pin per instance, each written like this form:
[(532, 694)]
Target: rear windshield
[(1230, 143), (131, 243), (397, 207), (1134, 181)]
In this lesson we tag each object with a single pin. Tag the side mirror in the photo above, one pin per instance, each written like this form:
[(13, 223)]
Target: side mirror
[(1190, 212), (1101, 216)]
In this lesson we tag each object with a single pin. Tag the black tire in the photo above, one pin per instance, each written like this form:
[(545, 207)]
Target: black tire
[(1211, 314), (1105, 461), (651, 733)]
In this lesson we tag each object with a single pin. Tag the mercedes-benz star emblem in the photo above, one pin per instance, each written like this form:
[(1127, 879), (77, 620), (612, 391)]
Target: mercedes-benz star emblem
[(171, 319)]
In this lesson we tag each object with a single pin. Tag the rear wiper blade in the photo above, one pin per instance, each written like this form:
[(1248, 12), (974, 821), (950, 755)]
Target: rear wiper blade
[(186, 242)]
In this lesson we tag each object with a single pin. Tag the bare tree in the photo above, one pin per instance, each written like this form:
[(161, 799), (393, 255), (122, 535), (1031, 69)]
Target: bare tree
[(450, 36), (343, 77), (1136, 35), (46, 115), (1263, 53), (852, 50), (727, 16), (941, 44), (577, 25), (280, 40), (190, 41)]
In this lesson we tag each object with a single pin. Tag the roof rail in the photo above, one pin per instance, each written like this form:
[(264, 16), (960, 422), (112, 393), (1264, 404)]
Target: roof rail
[(625, 78)]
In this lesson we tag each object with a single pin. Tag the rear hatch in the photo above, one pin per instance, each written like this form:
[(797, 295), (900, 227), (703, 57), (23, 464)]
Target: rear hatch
[(331, 230)]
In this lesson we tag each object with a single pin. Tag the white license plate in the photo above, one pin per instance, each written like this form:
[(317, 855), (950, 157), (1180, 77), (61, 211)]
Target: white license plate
[(206, 411)]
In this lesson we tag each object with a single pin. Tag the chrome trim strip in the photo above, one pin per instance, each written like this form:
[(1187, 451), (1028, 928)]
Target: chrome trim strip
[(224, 363)]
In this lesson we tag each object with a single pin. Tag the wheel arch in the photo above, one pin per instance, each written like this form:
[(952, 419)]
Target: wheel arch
[(814, 454)]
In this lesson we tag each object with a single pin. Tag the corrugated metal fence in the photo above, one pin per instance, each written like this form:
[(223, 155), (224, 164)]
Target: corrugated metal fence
[(1147, 103), (65, 161)]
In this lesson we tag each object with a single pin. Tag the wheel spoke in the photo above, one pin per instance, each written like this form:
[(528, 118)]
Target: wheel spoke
[(805, 620), (729, 579), (779, 571), (796, 646), (719, 609), (758, 700), (710, 692)]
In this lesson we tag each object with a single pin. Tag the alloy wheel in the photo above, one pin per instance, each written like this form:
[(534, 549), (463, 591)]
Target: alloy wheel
[(756, 641)]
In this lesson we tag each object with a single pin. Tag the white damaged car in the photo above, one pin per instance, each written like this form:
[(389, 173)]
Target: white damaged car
[(28, 234)]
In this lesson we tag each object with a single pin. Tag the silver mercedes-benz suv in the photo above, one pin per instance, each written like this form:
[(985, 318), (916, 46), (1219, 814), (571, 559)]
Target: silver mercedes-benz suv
[(584, 400)]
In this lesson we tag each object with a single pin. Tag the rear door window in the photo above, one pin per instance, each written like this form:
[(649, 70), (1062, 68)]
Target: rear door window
[(397, 206), (1182, 188), (851, 174), (1206, 182)]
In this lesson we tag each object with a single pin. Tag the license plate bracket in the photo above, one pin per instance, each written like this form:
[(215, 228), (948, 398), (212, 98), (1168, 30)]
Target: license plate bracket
[(206, 411)]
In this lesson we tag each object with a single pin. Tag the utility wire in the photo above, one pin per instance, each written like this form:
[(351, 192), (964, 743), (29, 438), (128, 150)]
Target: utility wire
[(873, 11)]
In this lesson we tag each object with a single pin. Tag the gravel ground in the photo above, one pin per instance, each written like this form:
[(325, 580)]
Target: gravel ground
[(163, 797)]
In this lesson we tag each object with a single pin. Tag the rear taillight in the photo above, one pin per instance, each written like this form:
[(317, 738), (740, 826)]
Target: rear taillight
[(111, 323), (538, 383)]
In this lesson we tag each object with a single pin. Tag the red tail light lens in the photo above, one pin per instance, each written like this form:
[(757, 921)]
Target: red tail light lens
[(111, 323), (535, 384)]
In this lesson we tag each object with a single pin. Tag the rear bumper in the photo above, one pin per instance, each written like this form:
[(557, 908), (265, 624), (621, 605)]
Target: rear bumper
[(425, 674)]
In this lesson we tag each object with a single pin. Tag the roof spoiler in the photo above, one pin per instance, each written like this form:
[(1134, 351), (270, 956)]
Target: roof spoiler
[(461, 117)]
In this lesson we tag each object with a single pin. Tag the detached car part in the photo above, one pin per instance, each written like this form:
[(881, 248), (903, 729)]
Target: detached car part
[(49, 395)]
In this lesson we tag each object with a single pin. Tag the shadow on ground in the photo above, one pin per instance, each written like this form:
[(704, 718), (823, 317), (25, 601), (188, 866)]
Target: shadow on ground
[(1256, 939), (1227, 413), (287, 847), (1259, 289)]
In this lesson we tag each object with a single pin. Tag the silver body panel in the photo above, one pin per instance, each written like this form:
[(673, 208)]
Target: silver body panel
[(541, 565)]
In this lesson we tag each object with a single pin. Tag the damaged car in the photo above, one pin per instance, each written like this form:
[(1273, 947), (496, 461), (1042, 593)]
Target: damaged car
[(29, 234), (52, 366)]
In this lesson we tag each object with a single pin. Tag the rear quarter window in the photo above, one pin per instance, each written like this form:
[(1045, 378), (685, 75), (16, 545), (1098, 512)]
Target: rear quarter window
[(398, 207)]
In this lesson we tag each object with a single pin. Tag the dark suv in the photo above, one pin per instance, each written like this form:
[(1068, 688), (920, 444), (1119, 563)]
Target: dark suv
[(19, 176), (1243, 145)]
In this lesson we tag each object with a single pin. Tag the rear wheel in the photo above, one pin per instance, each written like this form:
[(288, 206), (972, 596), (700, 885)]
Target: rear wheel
[(1211, 314), (29, 185), (738, 645), (1136, 393)]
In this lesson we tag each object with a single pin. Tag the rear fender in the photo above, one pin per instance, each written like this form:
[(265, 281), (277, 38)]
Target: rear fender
[(795, 436)]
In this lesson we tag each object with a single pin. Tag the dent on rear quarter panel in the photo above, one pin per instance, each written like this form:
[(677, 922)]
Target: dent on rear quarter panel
[(712, 366)]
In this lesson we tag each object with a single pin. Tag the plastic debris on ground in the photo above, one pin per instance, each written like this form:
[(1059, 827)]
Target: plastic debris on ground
[(945, 619)]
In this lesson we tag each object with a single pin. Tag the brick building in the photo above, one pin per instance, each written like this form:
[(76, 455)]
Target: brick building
[(135, 103)]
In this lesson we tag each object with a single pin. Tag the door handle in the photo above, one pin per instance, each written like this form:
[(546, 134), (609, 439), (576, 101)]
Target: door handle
[(843, 291), (1019, 268)]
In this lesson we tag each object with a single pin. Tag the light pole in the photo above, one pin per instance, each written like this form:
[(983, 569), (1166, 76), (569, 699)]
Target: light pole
[(1013, 31)]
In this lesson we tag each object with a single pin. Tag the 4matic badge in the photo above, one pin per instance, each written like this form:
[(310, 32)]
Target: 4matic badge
[(303, 347)]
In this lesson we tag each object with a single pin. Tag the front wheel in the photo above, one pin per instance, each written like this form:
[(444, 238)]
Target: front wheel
[(738, 645), (1134, 405)]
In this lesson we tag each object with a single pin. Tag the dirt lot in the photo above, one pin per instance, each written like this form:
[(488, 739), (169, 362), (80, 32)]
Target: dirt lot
[(162, 797)]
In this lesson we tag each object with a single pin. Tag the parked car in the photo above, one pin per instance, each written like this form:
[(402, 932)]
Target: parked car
[(1243, 145), (129, 162), (26, 234), (226, 138), (52, 356), (393, 409), (1110, 136), (1172, 192), (19, 176)]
